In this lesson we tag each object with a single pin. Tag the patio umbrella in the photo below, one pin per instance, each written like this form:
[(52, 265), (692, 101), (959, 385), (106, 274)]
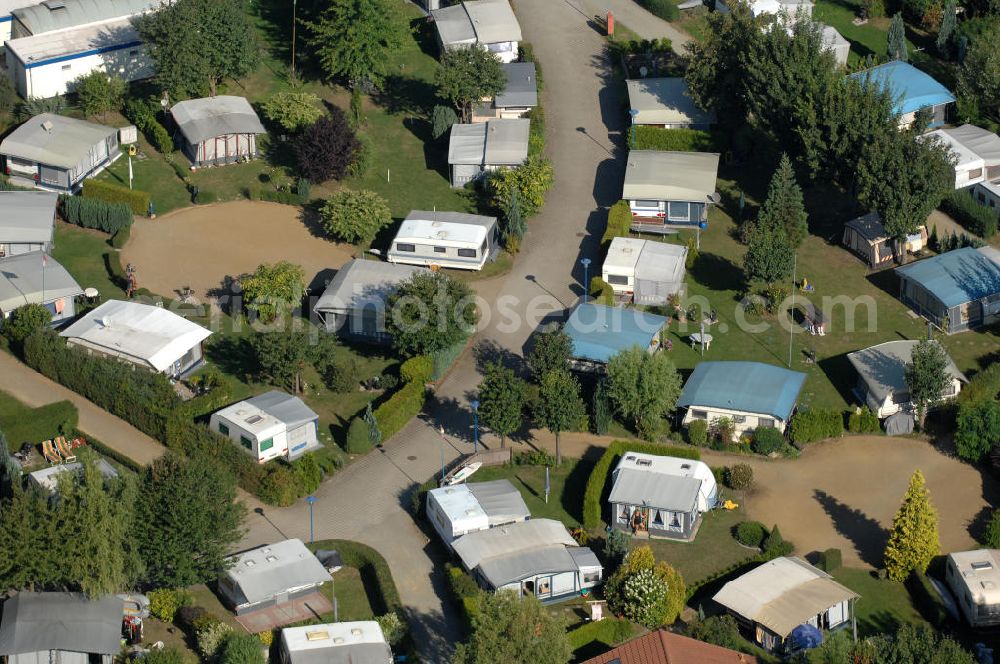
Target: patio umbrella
[(805, 636)]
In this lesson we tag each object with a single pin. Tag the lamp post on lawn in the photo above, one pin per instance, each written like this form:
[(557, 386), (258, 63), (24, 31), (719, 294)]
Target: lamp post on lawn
[(632, 112), (312, 501), (474, 404), (585, 262)]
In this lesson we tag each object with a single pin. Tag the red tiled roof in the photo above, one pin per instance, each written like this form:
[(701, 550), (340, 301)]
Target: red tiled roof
[(663, 647)]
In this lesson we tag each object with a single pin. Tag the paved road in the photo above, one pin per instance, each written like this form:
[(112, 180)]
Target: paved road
[(644, 24)]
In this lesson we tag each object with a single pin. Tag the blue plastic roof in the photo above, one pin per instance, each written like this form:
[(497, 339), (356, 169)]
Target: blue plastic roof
[(600, 332), (752, 387), (956, 277), (912, 88)]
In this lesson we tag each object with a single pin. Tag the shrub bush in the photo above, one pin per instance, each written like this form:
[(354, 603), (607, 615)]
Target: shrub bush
[(393, 627), (466, 590), (137, 201), (417, 369), (165, 603), (358, 438), (204, 197), (187, 616), (273, 196), (240, 648), (120, 239), (976, 218), (210, 635), (400, 408), (599, 475), (619, 222), (602, 292), (739, 477), (775, 545), (343, 375), (534, 458), (95, 213), (767, 440), (25, 321), (665, 9), (307, 474), (674, 140), (863, 420), (817, 424), (697, 432), (160, 138), (830, 560), (750, 533), (278, 486)]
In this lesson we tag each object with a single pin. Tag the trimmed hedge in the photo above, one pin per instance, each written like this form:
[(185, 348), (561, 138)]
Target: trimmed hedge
[(374, 570), (817, 424), (863, 420), (665, 9), (830, 560), (751, 533), (119, 239), (602, 292), (444, 358), (358, 437), (417, 369), (599, 476), (138, 201), (94, 213), (466, 591), (976, 218), (399, 409), (142, 113), (675, 140), (273, 196), (619, 222)]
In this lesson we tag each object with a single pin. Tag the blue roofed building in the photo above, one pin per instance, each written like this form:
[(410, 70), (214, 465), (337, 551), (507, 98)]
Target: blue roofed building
[(750, 394), (600, 332), (912, 89), (957, 290)]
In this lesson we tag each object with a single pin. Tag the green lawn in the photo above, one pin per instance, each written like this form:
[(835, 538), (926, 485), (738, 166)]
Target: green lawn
[(22, 424), (596, 638), (883, 605), (81, 252), (712, 550), (567, 484), (352, 600)]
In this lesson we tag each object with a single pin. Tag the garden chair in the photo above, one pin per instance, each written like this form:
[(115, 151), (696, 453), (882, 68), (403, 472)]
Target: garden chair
[(64, 450), (50, 453)]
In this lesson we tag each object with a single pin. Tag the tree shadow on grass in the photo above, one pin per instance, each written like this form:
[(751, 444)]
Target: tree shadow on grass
[(717, 273), (576, 483), (233, 355), (867, 534), (404, 94), (841, 373)]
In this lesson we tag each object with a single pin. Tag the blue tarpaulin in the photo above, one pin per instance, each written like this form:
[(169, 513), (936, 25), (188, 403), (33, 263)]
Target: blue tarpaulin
[(751, 387), (599, 332), (955, 277), (911, 88)]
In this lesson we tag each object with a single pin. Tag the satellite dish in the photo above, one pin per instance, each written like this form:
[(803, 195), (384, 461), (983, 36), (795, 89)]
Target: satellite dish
[(375, 252), (106, 321), (643, 71), (715, 197)]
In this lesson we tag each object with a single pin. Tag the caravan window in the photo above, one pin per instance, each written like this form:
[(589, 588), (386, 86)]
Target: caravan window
[(679, 211), (405, 247), (647, 205), (267, 444), (467, 253), (591, 577), (618, 279), (765, 422), (223, 429), (245, 442), (699, 414), (440, 250)]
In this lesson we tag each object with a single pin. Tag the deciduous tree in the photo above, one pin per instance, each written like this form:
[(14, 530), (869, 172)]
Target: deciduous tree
[(355, 215), (551, 351), (502, 399), (198, 43), (913, 540), (99, 93), (358, 40), (508, 628), (531, 180), (978, 429), (327, 148), (188, 520), (25, 321), (273, 289), (292, 110), (644, 591), (467, 75), (559, 406), (927, 375), (281, 355), (241, 648), (430, 312), (979, 77), (643, 387)]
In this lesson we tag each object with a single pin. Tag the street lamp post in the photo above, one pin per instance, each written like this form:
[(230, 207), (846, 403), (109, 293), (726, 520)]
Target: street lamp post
[(586, 283), (475, 424), (312, 501), (633, 112)]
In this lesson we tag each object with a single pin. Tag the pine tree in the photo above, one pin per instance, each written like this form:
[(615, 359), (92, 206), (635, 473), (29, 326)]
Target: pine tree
[(913, 541), (514, 225), (947, 29), (783, 209), (896, 43), (769, 256)]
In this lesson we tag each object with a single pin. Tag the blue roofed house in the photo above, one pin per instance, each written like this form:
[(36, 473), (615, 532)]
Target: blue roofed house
[(957, 290), (913, 90), (750, 394), (600, 332)]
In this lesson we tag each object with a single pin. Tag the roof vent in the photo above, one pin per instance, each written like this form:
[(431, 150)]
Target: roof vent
[(272, 559), (470, 512), (435, 224), (339, 640), (685, 466), (644, 462), (47, 126), (266, 549), (254, 419), (52, 5), (356, 632), (988, 585), (249, 563), (319, 635), (982, 565), (105, 322), (630, 457)]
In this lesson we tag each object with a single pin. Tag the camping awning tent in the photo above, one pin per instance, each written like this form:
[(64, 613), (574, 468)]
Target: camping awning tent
[(665, 101), (670, 176), (956, 277), (453, 26), (631, 488), (480, 505), (34, 278), (985, 144), (912, 88), (750, 387), (54, 140), (360, 283), (599, 332), (138, 332), (494, 21), (500, 142), (285, 408), (882, 367), (201, 119), (782, 594), (637, 487), (27, 217), (522, 86), (265, 572), (42, 622), (55, 15)]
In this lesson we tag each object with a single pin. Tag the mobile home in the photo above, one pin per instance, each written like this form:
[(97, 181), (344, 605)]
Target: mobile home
[(445, 239), (466, 508), (644, 271), (882, 381), (666, 189), (269, 426), (974, 579), (27, 222)]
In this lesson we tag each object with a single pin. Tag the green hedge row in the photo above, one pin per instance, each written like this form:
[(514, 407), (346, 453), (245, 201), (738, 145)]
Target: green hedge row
[(372, 565), (817, 424), (964, 209), (109, 192), (619, 222), (466, 590), (94, 213), (599, 476), (443, 359), (142, 114), (273, 196), (399, 409), (665, 9), (674, 140), (602, 292), (108, 452)]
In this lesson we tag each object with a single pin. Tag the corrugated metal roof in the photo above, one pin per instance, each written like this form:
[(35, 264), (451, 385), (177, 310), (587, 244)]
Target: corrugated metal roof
[(27, 216), (750, 387), (494, 143), (500, 500), (985, 144), (39, 622), (208, 117), (50, 45), (21, 281), (522, 86), (359, 283), (912, 88), (262, 573), (599, 332), (882, 367), (52, 15), (670, 176), (665, 101), (958, 276), (54, 140), (453, 25), (284, 408), (493, 20)]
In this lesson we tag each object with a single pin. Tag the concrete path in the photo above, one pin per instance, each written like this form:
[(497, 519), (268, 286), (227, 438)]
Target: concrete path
[(642, 22), (34, 389)]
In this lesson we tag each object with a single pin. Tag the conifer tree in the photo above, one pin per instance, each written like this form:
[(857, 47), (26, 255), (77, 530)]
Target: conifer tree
[(896, 43), (783, 209), (913, 541)]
